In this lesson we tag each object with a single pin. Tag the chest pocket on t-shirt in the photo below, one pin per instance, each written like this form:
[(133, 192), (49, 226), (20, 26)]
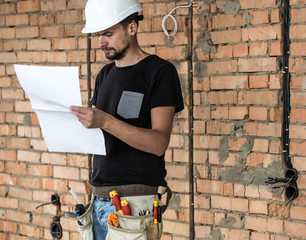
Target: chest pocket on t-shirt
[(130, 104)]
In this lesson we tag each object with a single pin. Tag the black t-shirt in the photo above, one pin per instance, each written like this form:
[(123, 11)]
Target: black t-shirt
[(129, 94)]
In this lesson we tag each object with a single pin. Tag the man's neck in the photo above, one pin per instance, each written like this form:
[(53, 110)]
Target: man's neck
[(133, 56)]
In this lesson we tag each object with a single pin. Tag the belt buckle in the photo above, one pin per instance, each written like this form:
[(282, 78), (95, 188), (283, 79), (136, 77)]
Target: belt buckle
[(104, 199)]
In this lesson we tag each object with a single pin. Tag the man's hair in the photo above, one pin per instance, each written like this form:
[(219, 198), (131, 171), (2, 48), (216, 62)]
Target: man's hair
[(133, 17)]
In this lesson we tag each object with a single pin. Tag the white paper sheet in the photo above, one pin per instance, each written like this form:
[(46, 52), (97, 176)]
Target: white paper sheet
[(52, 90)]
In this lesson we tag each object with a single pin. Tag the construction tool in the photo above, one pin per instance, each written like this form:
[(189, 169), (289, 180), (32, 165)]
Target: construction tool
[(113, 220), (155, 211), (126, 207), (74, 195), (116, 201)]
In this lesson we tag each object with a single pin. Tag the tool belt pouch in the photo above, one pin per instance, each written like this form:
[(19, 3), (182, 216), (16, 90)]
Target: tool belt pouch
[(135, 228), (85, 222)]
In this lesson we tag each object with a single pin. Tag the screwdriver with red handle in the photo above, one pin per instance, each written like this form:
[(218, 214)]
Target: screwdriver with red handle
[(126, 207), (116, 201)]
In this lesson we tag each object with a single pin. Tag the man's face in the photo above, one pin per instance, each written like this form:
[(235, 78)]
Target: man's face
[(114, 42)]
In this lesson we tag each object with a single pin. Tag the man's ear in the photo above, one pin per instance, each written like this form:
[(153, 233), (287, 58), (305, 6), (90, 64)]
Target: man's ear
[(133, 28)]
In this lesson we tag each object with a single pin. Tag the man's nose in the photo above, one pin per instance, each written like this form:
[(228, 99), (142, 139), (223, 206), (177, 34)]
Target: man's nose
[(102, 42)]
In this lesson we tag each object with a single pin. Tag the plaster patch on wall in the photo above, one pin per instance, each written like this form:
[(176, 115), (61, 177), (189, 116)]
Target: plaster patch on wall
[(223, 149)]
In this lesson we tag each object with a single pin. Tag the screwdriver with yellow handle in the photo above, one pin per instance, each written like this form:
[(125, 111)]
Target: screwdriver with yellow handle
[(126, 207), (155, 211), (116, 201)]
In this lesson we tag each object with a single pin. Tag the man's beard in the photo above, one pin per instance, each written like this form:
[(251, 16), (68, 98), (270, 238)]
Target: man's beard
[(117, 55)]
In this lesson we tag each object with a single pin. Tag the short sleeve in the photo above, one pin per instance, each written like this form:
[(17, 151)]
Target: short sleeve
[(166, 88)]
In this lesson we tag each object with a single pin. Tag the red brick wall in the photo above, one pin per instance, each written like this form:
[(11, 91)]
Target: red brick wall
[(237, 117)]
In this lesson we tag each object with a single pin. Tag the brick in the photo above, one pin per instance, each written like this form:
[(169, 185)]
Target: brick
[(258, 113), (147, 39), (260, 236), (204, 217), (7, 179), (16, 168), (18, 216), (228, 36), (260, 145), (275, 82), (257, 65), (7, 202), (298, 163), (258, 97), (241, 50), (297, 212), (54, 184), (15, 20), (298, 98), (298, 115), (259, 207), (40, 170), (28, 6), (7, 130), (208, 186), (5, 82), (7, 33), (298, 32), (275, 48), (77, 56), (32, 57), (38, 145), (64, 44), (232, 234), (74, 30), (39, 44), (229, 82), (52, 31), (261, 33), (8, 57), (202, 112), (27, 32), (20, 193), (223, 52), (7, 8), (178, 186), (51, 5), (23, 106), (238, 113), (61, 172), (31, 231), (298, 15), (180, 229), (236, 144), (15, 45), (177, 171), (259, 17), (215, 127), (29, 182), (57, 57), (258, 48), (42, 19), (7, 226), (6, 106), (220, 113), (277, 210), (18, 143), (177, 53), (232, 204), (297, 131), (220, 67), (28, 156), (200, 156), (8, 155), (298, 49), (227, 20), (203, 232), (74, 4), (276, 15), (71, 16), (248, 4), (262, 129), (297, 65), (298, 148)]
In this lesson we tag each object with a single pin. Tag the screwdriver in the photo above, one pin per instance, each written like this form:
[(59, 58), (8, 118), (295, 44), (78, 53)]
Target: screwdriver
[(116, 201)]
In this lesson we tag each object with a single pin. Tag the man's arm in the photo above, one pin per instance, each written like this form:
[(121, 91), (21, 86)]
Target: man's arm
[(155, 140)]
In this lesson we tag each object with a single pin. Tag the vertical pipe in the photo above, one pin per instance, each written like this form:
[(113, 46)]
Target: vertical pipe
[(190, 95), (89, 94)]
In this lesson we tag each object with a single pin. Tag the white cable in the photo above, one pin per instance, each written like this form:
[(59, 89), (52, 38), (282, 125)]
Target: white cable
[(175, 22)]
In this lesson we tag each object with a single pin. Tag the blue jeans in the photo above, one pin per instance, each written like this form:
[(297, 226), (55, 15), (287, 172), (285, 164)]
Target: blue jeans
[(101, 211)]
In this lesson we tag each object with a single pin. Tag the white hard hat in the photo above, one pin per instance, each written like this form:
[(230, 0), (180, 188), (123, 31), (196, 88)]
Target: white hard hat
[(103, 14)]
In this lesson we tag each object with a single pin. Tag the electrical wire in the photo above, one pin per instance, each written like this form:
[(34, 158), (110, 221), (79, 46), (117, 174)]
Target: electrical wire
[(173, 19)]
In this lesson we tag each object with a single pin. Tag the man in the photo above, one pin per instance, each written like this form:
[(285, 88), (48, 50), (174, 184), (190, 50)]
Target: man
[(135, 100)]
